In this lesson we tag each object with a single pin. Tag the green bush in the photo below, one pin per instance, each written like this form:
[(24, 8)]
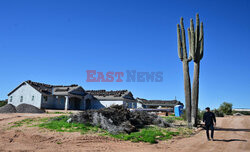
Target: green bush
[(183, 115), (170, 119), (150, 134), (60, 124), (200, 115), (2, 103), (218, 113), (226, 108)]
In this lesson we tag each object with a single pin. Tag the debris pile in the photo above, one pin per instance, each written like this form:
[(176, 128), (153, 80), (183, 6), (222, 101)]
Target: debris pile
[(27, 108), (116, 119), (8, 108)]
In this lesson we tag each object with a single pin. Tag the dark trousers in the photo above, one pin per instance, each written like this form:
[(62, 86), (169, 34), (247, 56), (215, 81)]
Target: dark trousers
[(211, 127)]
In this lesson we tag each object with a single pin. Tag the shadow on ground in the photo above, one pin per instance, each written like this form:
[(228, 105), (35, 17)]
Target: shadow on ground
[(230, 140), (231, 129)]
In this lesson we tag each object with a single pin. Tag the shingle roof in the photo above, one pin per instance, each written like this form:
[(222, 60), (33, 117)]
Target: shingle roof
[(48, 89), (111, 95), (169, 103)]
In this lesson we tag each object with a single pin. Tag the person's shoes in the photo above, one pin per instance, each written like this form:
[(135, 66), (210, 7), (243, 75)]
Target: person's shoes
[(212, 139), (208, 139)]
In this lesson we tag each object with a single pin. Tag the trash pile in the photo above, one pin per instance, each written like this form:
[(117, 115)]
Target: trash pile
[(116, 119), (22, 108), (8, 108)]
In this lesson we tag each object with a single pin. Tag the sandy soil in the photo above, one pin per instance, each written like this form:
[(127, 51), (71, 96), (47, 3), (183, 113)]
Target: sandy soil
[(232, 134)]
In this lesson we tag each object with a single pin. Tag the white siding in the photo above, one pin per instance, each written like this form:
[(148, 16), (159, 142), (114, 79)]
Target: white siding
[(109, 103), (139, 105), (27, 92), (124, 103)]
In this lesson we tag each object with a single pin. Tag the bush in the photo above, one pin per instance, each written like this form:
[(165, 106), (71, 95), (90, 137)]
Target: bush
[(2, 103), (183, 115), (170, 119), (150, 134), (226, 108), (60, 124), (200, 115), (147, 134), (218, 113)]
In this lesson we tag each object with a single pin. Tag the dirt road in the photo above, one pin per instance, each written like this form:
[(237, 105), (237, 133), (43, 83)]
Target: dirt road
[(232, 135)]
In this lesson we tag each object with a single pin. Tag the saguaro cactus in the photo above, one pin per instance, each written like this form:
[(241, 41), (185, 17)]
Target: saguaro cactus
[(197, 42), (182, 53)]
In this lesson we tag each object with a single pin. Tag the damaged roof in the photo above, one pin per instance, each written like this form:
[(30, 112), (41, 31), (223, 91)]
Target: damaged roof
[(168, 103), (52, 89), (111, 95)]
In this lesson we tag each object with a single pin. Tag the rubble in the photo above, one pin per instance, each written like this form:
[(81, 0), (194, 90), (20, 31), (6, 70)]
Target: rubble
[(116, 119), (8, 108)]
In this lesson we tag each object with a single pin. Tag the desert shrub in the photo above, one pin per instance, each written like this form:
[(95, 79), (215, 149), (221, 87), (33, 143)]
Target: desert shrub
[(170, 119), (183, 115), (2, 103), (147, 134), (60, 124), (218, 113), (150, 134), (200, 115), (226, 108)]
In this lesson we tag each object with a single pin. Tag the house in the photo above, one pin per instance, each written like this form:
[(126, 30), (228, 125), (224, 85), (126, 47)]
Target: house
[(105, 98), (156, 104), (46, 96), (71, 97)]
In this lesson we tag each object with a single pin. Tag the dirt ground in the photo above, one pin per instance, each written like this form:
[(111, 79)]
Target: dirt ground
[(232, 134)]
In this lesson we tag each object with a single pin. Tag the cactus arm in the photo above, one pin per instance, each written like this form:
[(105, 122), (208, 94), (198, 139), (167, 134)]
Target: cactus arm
[(192, 39), (190, 46), (201, 41), (180, 54), (189, 37), (183, 37), (197, 31)]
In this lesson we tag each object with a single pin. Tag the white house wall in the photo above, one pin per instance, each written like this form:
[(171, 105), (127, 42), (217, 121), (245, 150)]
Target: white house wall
[(109, 103), (27, 92), (139, 105), (101, 104)]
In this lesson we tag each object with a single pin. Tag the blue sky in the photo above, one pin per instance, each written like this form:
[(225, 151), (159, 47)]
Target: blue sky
[(56, 41)]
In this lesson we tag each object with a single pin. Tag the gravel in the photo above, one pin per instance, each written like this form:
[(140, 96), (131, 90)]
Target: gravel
[(8, 108), (27, 108), (116, 119)]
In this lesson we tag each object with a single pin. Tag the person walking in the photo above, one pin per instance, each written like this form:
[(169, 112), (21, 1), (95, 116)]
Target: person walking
[(210, 122)]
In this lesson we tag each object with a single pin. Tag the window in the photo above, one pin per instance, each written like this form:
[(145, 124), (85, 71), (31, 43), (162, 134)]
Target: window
[(21, 99), (33, 97), (10, 98), (134, 105), (45, 98), (129, 105)]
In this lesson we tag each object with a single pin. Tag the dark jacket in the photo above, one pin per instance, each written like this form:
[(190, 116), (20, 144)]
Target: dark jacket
[(209, 118)]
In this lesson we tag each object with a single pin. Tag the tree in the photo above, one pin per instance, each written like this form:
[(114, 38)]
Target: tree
[(3, 102), (226, 108)]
